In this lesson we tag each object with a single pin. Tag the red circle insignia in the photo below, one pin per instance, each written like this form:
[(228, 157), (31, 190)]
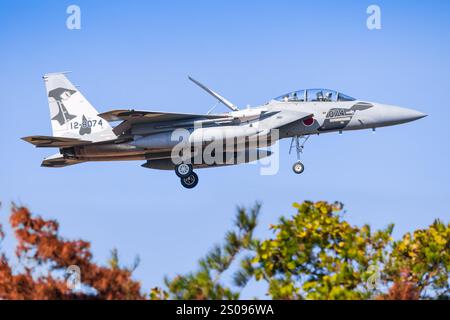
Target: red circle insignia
[(308, 122)]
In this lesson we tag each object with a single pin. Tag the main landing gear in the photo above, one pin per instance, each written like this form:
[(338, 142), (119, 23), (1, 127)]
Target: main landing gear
[(188, 177), (298, 142)]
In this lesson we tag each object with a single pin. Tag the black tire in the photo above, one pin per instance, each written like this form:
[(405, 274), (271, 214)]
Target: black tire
[(190, 181), (183, 170), (298, 168)]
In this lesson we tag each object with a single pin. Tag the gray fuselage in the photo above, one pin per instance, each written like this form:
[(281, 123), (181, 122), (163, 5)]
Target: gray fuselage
[(155, 142)]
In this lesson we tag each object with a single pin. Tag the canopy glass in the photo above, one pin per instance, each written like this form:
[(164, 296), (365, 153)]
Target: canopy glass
[(314, 95)]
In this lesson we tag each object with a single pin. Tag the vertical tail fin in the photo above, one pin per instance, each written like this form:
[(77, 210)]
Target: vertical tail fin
[(71, 115)]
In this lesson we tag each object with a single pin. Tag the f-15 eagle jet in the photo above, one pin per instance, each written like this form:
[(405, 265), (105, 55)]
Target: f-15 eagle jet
[(82, 134)]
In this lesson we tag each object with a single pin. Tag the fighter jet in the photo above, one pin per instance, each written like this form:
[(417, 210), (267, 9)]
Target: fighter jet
[(174, 141)]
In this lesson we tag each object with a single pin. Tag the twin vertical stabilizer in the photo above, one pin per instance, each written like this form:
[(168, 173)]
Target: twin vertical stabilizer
[(72, 116)]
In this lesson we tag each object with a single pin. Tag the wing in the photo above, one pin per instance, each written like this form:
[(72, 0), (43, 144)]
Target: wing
[(132, 117), (54, 142), (151, 116)]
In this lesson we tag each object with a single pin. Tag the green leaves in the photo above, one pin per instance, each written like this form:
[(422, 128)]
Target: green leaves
[(316, 254), (425, 257), (319, 254)]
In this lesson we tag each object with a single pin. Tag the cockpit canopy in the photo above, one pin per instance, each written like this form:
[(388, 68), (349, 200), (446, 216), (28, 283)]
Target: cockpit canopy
[(314, 95)]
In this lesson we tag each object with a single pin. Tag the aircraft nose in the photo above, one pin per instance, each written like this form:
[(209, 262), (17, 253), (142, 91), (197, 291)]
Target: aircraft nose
[(412, 115), (391, 115)]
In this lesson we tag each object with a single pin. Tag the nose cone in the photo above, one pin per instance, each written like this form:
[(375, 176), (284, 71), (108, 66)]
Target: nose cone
[(411, 115), (391, 115)]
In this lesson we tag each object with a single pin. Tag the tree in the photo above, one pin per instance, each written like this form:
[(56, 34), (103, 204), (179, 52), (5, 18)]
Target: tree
[(314, 254), (44, 257), (421, 260), (318, 255)]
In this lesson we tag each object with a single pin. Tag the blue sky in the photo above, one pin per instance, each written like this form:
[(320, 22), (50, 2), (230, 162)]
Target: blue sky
[(138, 54)]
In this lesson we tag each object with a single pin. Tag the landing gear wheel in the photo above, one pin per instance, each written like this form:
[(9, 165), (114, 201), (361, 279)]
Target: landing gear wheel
[(298, 167), (183, 170), (190, 181)]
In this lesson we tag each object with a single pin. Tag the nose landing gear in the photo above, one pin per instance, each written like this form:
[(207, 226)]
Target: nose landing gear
[(298, 167), (188, 177)]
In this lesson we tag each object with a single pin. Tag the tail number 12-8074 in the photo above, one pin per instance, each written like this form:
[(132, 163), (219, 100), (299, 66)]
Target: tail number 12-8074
[(75, 125)]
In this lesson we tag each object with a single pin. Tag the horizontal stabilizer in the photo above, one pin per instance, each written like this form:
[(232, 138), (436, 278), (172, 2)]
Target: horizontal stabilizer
[(54, 142), (58, 161)]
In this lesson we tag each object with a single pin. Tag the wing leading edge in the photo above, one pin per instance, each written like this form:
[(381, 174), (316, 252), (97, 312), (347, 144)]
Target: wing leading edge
[(132, 117), (152, 116)]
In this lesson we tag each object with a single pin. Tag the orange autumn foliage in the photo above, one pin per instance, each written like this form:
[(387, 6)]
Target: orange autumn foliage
[(39, 247), (402, 289)]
